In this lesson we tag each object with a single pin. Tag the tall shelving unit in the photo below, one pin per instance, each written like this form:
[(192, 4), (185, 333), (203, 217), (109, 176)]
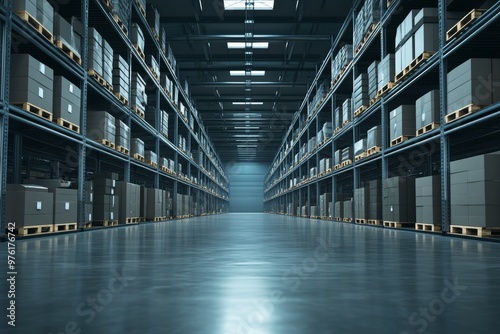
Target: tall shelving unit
[(424, 155), (34, 146)]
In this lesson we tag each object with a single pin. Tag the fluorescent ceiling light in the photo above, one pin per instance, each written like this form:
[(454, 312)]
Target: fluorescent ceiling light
[(243, 45), (240, 4), (247, 127), (247, 140), (248, 103), (251, 73), (249, 146)]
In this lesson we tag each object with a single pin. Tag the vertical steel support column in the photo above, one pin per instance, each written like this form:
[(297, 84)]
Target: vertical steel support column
[(17, 157), (445, 144), (82, 148), (176, 161), (384, 115), (4, 119)]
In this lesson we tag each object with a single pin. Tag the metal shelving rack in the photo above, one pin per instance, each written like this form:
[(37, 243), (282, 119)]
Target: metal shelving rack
[(27, 137), (474, 134)]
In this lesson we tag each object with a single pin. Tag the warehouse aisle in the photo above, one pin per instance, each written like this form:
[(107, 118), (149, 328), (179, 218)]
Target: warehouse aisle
[(255, 273)]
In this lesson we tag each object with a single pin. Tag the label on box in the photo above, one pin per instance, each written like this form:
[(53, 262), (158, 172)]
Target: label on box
[(111, 215), (71, 88), (42, 68), (66, 206), (392, 208), (423, 117), (91, 197), (70, 108), (90, 217), (114, 183), (40, 92), (39, 205)]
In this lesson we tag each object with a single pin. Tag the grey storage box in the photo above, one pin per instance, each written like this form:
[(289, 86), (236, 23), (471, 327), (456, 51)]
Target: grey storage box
[(122, 134), (402, 122), (399, 200), (65, 205), (29, 205), (427, 109), (136, 36), (347, 154), (153, 18), (101, 125), (137, 146), (348, 209), (374, 137), (130, 200), (67, 100), (386, 70), (360, 147), (428, 200)]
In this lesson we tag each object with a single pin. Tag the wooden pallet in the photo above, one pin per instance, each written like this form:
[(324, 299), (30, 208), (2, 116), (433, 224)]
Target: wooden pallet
[(427, 128), (101, 223), (360, 221), (365, 38), (33, 22), (34, 110), (474, 231), (68, 125), (121, 98), (139, 157), (413, 65), (337, 167), (347, 220), (400, 140), (360, 156), (138, 112), (123, 150), (381, 92), (389, 2), (34, 230), (141, 9), (108, 4), (97, 77), (133, 220), (374, 222), (360, 110), (164, 134), (155, 34), (68, 51), (339, 76), (346, 163), (152, 163), (107, 143), (155, 75), (122, 25), (398, 224), (373, 150), (139, 51), (427, 227), (464, 23), (462, 112), (345, 123), (65, 227)]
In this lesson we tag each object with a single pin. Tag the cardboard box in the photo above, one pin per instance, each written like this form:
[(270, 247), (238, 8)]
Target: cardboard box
[(29, 205)]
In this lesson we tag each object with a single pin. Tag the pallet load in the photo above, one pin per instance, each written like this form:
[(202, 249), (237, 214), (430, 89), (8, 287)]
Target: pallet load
[(122, 137), (466, 80), (130, 198), (428, 201), (31, 207), (139, 97), (95, 56), (153, 18), (474, 193), (106, 202), (427, 112), (373, 140), (324, 201), (151, 158), (163, 41), (338, 118), (386, 72), (39, 13), (137, 149), (67, 101), (361, 99), (101, 128), (360, 149), (347, 155), (121, 14), (153, 66), (417, 38), (89, 201), (137, 39), (327, 130), (348, 210), (67, 39), (121, 78), (341, 61), (31, 85), (401, 124), (399, 202), (107, 63), (347, 111), (367, 18), (374, 212), (373, 79)]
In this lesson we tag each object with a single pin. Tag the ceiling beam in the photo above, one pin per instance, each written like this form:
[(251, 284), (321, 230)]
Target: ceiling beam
[(254, 84), (167, 20), (271, 68), (257, 57), (256, 38)]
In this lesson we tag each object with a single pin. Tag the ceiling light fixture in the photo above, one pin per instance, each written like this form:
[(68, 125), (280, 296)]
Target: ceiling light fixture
[(241, 4), (236, 73), (248, 103), (243, 45), (247, 127)]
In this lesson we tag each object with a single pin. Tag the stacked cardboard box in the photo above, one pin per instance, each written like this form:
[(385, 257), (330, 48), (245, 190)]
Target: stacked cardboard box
[(153, 18), (137, 36), (347, 154), (427, 109), (107, 62), (163, 41), (64, 33), (360, 147), (374, 189), (399, 199), (121, 77), (95, 56), (348, 209), (402, 122), (324, 202), (313, 172), (337, 157), (475, 190), (327, 129), (368, 14), (343, 58), (155, 198), (137, 147), (373, 79), (374, 137), (64, 199), (151, 157), (428, 200), (31, 81), (67, 100), (331, 211), (166, 83), (153, 65), (473, 76), (361, 202), (122, 134), (139, 97), (311, 144), (41, 10), (78, 31), (171, 58), (360, 94), (122, 10), (338, 117), (130, 199), (347, 110), (416, 34), (106, 202), (29, 205), (101, 125), (386, 70)]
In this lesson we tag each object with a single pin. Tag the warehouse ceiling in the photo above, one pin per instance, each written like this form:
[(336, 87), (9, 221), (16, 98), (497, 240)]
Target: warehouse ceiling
[(283, 43)]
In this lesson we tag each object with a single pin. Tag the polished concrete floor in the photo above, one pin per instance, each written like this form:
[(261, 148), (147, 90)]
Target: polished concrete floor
[(254, 273)]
